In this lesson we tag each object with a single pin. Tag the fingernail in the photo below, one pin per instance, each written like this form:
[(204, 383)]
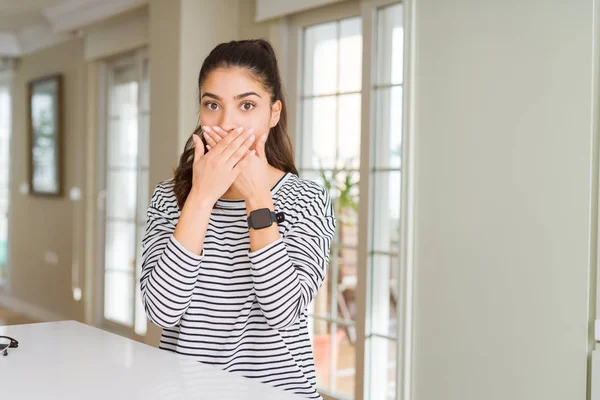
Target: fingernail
[(208, 147), (263, 138), (251, 138), (206, 128), (206, 133)]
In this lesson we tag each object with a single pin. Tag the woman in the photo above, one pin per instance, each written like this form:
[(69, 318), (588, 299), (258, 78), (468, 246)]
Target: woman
[(237, 245)]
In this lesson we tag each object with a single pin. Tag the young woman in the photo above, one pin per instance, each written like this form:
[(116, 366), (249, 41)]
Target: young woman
[(237, 245)]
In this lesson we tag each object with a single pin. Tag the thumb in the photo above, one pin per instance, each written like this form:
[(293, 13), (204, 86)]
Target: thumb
[(198, 147), (260, 147)]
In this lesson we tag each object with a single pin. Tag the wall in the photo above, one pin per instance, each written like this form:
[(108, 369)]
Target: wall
[(503, 194), (125, 32), (40, 225), (164, 54), (267, 9), (204, 24)]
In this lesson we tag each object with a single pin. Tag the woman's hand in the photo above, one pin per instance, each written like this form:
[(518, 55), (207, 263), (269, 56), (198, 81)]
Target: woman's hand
[(253, 179), (214, 172)]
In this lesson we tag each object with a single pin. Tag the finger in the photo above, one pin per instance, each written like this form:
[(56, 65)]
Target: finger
[(234, 146), (198, 147), (216, 136), (240, 152), (209, 139), (260, 147), (227, 140), (208, 146), (219, 131)]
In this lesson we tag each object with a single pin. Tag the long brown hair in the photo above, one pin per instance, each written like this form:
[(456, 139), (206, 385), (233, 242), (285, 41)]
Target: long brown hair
[(258, 57)]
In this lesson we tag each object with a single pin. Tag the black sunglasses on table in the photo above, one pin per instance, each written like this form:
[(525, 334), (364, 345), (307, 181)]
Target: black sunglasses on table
[(7, 343)]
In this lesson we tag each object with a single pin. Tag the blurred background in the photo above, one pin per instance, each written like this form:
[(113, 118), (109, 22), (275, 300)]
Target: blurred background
[(458, 140)]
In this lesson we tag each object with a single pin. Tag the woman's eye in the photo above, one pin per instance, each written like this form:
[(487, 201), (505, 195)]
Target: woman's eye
[(211, 106), (247, 106)]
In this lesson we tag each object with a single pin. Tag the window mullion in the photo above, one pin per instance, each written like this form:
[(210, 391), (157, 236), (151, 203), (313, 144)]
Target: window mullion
[(364, 229)]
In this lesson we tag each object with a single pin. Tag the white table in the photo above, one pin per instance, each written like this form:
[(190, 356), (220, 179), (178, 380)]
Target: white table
[(69, 360)]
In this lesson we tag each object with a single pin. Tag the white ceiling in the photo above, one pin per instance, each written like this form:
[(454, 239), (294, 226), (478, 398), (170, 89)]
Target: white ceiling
[(30, 25), (16, 15)]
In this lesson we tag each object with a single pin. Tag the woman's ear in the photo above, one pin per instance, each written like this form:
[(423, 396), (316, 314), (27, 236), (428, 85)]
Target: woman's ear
[(275, 113)]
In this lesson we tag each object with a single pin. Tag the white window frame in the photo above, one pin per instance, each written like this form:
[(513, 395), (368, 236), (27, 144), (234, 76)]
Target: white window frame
[(137, 57), (367, 10)]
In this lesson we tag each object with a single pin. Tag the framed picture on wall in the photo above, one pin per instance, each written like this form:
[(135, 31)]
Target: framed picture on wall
[(45, 135)]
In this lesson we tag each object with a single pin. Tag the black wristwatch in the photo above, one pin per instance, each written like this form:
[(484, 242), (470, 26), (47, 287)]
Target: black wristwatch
[(264, 218)]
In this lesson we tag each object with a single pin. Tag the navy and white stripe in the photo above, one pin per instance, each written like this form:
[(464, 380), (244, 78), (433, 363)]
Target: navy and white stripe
[(242, 311)]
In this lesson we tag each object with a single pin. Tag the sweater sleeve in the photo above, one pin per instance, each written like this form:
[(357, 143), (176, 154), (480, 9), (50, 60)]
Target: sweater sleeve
[(288, 272), (169, 271)]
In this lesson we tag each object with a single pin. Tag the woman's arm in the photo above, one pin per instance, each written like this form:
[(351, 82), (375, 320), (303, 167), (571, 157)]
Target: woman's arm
[(172, 255), (288, 272), (171, 258)]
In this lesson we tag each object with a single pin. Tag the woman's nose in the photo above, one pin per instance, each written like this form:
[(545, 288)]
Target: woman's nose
[(228, 122)]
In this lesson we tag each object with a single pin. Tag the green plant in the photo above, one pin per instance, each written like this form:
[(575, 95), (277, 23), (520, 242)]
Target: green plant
[(343, 192)]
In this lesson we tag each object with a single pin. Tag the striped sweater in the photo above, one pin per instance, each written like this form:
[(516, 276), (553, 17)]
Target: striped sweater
[(241, 311)]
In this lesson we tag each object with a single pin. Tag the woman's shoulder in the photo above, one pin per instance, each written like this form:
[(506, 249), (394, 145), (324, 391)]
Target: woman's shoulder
[(164, 196), (304, 192)]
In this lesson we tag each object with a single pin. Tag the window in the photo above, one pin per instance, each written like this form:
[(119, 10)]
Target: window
[(5, 133), (384, 214), (330, 154), (335, 126), (126, 178)]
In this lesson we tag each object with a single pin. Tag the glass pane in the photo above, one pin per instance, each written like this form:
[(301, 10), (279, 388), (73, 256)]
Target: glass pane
[(321, 343), (319, 133), (385, 211), (123, 142), (3, 247), (345, 368), (121, 194), (141, 323), (145, 89), (4, 201), (4, 146), (349, 131), (144, 200), (347, 282), (350, 55), (390, 45), (320, 59), (5, 110), (388, 134), (382, 368), (4, 178), (384, 294), (118, 297), (144, 140), (321, 305), (345, 200), (124, 92), (120, 246)]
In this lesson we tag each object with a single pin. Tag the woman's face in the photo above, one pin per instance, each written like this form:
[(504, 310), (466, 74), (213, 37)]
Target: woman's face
[(232, 97)]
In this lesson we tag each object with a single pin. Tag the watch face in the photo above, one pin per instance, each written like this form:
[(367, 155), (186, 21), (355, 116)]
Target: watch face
[(261, 218)]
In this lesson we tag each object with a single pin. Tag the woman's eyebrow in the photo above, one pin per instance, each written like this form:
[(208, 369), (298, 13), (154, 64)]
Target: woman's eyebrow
[(238, 97), (241, 96), (208, 94)]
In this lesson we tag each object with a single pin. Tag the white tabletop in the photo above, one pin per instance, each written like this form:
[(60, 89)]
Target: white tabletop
[(69, 360)]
